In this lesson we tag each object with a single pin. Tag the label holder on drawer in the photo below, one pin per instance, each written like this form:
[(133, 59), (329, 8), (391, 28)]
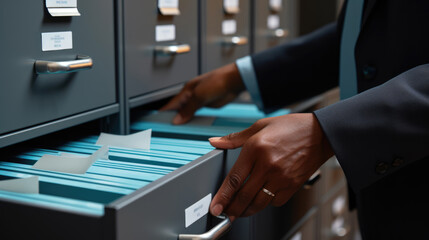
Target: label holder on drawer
[(63, 8)]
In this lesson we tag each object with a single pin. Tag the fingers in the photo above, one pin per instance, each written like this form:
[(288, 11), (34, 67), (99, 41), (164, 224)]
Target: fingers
[(249, 192), (261, 201), (232, 183), (237, 139), (185, 103), (181, 98)]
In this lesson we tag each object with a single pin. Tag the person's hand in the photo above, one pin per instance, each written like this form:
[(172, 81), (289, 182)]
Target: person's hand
[(278, 154), (213, 89)]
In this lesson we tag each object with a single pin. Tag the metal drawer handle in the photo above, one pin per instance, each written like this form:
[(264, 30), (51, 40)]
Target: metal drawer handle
[(313, 179), (340, 232), (81, 63), (235, 40), (172, 49), (280, 33), (215, 233)]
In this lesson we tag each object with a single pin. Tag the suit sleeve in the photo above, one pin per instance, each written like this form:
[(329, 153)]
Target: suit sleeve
[(299, 69), (381, 130)]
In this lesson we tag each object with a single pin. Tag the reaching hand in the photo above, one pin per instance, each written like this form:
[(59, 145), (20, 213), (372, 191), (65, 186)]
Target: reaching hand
[(278, 154), (213, 89)]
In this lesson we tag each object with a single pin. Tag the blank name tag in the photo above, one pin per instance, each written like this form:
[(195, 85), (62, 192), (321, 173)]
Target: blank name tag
[(273, 22), (165, 33), (229, 27)]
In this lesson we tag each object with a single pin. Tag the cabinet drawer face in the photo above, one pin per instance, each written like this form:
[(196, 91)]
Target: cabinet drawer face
[(336, 220), (332, 174), (306, 232), (160, 50), (135, 194), (27, 98), (275, 22), (220, 30), (159, 212)]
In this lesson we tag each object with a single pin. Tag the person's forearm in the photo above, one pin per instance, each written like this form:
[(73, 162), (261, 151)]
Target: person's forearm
[(382, 129)]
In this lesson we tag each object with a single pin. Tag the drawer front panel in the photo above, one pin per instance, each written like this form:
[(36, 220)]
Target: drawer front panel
[(336, 219), (274, 26), (27, 98), (158, 211), (148, 70), (306, 231), (217, 49)]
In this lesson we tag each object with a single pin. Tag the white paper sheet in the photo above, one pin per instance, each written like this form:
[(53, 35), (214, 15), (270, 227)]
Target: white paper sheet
[(70, 163), (140, 140), (21, 185)]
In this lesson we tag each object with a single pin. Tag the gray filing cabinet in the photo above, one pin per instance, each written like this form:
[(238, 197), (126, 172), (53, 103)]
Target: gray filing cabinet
[(161, 45), (274, 22), (225, 32), (28, 34), (305, 230)]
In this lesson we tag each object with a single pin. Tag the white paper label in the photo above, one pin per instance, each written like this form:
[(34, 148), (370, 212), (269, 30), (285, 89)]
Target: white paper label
[(230, 4), (21, 185), (165, 33), (297, 236), (61, 3), (339, 205), (275, 4), (229, 27), (139, 140), (168, 3), (273, 22), (57, 41), (197, 210), (70, 163)]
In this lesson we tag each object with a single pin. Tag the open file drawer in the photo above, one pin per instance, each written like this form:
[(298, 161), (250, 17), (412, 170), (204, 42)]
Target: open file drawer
[(30, 95), (272, 222), (137, 195)]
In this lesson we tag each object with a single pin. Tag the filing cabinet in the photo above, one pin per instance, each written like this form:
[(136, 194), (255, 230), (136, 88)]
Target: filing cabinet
[(336, 219), (306, 229), (156, 45), (225, 32), (274, 22), (160, 45), (54, 88)]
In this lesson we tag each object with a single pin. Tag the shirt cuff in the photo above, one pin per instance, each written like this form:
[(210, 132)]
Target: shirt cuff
[(245, 67)]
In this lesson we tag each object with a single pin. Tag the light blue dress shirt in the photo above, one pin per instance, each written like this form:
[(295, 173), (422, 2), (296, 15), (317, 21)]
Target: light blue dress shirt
[(248, 75)]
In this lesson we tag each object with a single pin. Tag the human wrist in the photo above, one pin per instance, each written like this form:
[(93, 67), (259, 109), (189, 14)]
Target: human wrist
[(326, 148)]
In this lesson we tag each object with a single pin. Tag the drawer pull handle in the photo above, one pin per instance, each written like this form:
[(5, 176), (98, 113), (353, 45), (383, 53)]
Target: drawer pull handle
[(172, 49), (279, 33), (47, 67), (215, 233), (313, 179), (235, 41)]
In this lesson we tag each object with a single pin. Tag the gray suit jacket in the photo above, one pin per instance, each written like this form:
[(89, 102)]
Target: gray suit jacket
[(380, 136)]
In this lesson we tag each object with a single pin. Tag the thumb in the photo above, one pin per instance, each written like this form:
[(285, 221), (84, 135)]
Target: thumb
[(236, 139)]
